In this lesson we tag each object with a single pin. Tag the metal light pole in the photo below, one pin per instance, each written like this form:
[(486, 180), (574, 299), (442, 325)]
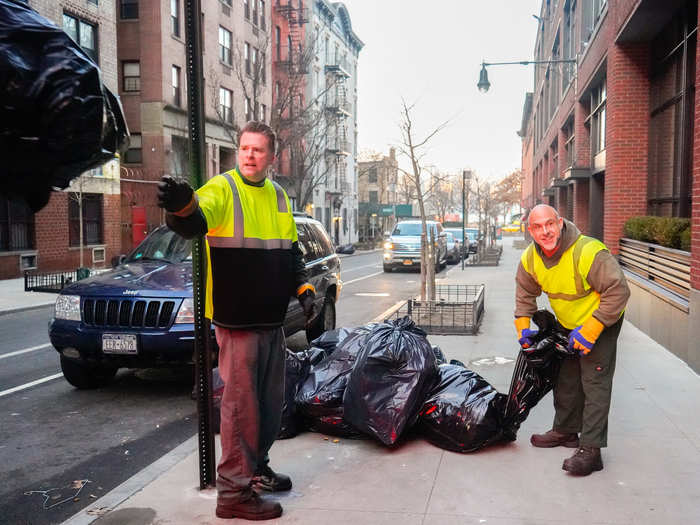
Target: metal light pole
[(466, 175)]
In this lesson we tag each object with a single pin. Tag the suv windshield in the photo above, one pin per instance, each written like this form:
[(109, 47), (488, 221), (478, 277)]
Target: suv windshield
[(456, 232), (410, 228), (162, 244)]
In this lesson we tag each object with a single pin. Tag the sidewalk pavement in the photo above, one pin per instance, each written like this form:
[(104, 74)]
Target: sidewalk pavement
[(13, 298), (651, 475)]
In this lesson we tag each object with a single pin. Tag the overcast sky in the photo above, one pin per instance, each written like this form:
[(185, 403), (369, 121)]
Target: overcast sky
[(430, 53)]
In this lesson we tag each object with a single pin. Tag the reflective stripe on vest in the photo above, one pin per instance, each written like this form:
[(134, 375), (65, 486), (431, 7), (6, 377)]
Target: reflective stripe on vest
[(570, 308), (238, 240)]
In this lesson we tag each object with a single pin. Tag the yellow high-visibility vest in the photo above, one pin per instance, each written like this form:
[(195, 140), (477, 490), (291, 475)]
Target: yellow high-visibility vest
[(251, 229), (571, 296)]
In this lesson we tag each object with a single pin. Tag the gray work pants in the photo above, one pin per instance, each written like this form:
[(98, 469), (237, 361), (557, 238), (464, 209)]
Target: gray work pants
[(251, 363), (583, 389)]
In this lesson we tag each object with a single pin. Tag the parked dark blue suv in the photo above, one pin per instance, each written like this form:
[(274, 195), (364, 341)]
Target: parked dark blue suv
[(141, 314)]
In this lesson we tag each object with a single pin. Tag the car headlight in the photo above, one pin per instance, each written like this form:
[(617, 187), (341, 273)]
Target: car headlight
[(67, 307), (186, 312), (388, 246)]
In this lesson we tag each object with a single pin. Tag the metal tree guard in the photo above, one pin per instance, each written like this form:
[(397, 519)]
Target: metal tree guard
[(202, 344)]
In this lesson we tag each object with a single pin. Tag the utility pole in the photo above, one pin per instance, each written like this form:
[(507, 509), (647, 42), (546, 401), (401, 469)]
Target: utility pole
[(466, 176)]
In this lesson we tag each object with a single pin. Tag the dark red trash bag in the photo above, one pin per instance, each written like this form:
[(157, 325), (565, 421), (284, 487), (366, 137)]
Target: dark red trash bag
[(393, 374)]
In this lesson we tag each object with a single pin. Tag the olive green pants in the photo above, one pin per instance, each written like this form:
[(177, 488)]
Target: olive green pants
[(583, 389)]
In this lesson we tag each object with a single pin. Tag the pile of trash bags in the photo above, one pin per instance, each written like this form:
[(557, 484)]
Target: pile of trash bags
[(382, 380), (57, 118)]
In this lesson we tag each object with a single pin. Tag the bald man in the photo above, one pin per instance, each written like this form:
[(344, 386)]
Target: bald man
[(588, 293)]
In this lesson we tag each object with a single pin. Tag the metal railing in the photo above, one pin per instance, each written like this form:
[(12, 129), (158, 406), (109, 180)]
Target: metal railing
[(457, 309), (665, 267), (52, 282)]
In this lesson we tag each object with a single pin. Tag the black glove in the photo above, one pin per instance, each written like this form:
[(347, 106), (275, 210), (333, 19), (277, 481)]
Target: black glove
[(306, 299), (173, 195)]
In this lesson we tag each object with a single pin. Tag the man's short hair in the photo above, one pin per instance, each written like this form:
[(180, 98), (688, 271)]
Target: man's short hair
[(255, 126)]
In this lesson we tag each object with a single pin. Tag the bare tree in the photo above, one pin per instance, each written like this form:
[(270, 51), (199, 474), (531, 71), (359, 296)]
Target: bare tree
[(413, 148), (443, 197), (507, 192)]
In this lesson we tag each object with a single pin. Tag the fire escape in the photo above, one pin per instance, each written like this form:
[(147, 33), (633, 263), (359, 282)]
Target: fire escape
[(338, 109)]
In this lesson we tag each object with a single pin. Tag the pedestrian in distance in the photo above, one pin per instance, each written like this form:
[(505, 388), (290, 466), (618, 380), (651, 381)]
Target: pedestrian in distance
[(254, 266), (588, 293)]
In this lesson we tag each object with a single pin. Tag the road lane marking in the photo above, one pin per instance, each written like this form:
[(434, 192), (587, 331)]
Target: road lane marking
[(374, 265), (369, 294), (25, 350), (29, 385), (361, 278)]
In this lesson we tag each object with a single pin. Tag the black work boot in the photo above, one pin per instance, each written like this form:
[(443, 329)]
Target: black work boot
[(253, 508), (268, 479), (552, 438), (584, 461)]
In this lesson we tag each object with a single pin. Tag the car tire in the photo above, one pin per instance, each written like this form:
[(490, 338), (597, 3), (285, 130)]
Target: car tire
[(387, 268), (325, 320), (83, 376)]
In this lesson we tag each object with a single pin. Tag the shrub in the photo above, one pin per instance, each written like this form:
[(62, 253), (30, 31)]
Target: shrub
[(671, 232)]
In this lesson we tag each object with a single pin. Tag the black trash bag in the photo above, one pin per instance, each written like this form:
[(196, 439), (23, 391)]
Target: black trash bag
[(457, 362), (322, 392), (57, 119), (393, 374), (334, 424), (346, 249), (297, 366), (463, 412), (440, 358), (536, 369), (330, 339)]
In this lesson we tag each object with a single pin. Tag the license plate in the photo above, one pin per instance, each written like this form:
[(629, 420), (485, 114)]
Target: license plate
[(119, 344), (407, 262)]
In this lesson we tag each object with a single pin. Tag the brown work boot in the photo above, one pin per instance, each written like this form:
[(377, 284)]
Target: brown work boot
[(552, 438), (268, 479), (254, 508), (584, 461)]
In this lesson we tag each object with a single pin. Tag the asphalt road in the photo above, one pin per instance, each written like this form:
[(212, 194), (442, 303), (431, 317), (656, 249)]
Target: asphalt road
[(54, 437)]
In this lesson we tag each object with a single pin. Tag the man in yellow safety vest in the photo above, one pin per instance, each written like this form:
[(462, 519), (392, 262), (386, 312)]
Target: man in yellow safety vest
[(588, 293), (254, 266)]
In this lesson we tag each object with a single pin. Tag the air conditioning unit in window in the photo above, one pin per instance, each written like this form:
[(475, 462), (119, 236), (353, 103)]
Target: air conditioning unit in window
[(27, 261), (98, 255)]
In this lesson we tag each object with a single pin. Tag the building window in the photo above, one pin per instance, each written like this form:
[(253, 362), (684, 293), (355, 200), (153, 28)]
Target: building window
[(596, 119), (92, 218), (246, 9), (263, 67), (16, 226), (373, 175), (133, 154), (373, 196), (277, 92), (225, 46), (278, 43), (248, 115), (128, 9), (131, 76), (255, 12), (175, 16), (246, 57), (592, 12), (672, 104), (570, 157), (177, 95), (263, 25), (263, 113), (225, 107), (84, 33)]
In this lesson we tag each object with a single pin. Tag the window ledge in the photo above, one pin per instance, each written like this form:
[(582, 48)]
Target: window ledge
[(86, 246), (28, 251)]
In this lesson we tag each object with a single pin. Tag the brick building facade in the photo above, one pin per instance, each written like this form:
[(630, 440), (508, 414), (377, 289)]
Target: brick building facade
[(614, 134), (50, 240)]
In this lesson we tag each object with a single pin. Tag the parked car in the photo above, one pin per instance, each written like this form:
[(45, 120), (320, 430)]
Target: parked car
[(472, 236), (141, 313), (454, 247), (402, 248)]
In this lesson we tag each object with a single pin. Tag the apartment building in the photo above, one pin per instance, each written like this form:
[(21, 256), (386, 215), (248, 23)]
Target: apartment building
[(152, 73), (333, 84), (613, 133), (377, 190), (50, 240)]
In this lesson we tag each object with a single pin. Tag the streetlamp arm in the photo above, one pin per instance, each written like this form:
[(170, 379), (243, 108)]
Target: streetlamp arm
[(528, 62)]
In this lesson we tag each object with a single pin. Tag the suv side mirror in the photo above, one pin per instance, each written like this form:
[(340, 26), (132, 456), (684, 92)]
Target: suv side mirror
[(117, 260)]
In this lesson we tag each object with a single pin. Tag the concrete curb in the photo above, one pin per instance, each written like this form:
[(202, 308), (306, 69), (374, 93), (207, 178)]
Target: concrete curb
[(135, 483), (14, 310)]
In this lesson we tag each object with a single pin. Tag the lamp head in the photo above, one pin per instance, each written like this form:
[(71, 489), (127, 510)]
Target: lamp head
[(484, 83)]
